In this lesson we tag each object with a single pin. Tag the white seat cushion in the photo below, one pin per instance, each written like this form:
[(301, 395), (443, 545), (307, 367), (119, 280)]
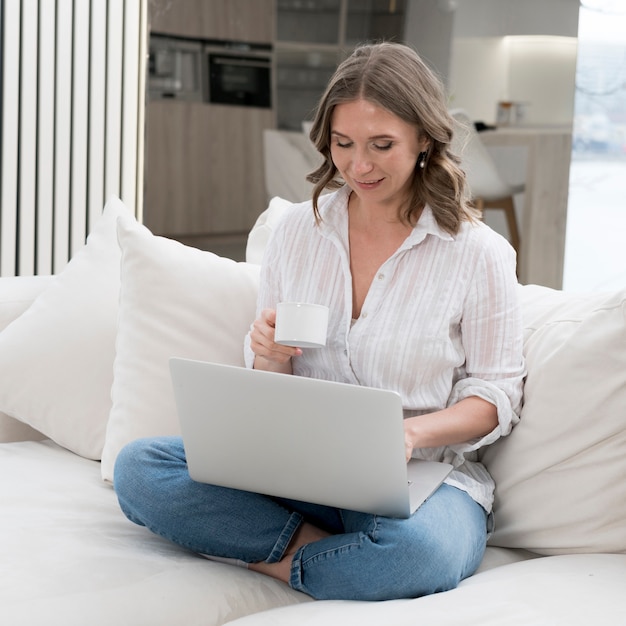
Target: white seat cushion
[(572, 590), (71, 558)]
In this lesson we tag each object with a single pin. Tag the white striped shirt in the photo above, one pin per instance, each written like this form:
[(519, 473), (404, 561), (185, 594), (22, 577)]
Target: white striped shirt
[(440, 322)]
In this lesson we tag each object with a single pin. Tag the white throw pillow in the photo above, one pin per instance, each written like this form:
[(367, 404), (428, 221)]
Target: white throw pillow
[(174, 301), (56, 359), (264, 227), (560, 475)]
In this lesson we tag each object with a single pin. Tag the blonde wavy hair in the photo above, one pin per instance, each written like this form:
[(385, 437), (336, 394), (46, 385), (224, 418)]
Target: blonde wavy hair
[(394, 77)]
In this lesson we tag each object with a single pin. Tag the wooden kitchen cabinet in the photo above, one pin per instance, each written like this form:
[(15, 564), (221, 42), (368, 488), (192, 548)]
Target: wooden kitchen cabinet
[(234, 20), (204, 168)]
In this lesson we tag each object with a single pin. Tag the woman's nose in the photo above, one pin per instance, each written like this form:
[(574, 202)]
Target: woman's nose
[(361, 162)]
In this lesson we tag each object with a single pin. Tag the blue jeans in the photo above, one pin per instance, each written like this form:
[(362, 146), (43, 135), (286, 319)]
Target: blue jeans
[(368, 557)]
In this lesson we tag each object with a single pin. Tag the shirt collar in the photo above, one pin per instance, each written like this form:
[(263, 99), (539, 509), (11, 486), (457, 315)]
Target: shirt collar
[(334, 212), (426, 225)]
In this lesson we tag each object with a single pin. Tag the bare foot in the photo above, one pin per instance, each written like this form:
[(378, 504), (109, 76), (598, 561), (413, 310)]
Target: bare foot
[(306, 533)]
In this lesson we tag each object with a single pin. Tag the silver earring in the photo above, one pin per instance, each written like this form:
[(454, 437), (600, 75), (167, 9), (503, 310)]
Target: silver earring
[(421, 159)]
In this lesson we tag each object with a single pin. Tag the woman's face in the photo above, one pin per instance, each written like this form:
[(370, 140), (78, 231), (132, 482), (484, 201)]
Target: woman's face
[(375, 151)]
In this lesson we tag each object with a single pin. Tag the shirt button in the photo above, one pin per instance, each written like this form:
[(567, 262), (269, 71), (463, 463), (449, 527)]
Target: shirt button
[(381, 277), (363, 315)]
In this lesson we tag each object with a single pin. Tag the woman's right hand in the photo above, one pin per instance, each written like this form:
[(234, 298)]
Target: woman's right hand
[(269, 354)]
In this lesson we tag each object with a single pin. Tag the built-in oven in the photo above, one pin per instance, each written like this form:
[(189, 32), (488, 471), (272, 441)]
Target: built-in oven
[(239, 74), (211, 71), (175, 68)]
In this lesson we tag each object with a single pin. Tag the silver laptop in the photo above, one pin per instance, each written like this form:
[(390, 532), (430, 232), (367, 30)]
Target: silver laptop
[(300, 438)]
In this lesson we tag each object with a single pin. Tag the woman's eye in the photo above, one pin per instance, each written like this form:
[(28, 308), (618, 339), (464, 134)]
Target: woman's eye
[(386, 146), (343, 145)]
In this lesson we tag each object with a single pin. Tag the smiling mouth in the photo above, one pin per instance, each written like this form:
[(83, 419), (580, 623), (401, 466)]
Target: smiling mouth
[(369, 182)]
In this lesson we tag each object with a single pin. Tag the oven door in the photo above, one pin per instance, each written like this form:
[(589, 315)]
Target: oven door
[(175, 69), (240, 79)]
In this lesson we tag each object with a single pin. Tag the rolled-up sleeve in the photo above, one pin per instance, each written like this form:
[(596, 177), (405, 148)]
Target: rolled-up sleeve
[(492, 337)]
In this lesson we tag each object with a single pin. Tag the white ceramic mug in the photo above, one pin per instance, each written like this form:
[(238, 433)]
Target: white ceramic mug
[(301, 325)]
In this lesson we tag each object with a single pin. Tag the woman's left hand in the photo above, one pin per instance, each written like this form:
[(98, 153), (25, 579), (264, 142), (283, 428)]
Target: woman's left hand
[(408, 442)]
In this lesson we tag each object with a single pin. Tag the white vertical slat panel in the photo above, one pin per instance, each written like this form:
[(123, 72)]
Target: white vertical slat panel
[(80, 122), (72, 114), (115, 31), (62, 133), (10, 119), (97, 97), (45, 137), (130, 84), (142, 61), (28, 138)]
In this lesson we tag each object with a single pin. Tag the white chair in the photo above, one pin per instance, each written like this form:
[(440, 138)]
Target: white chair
[(488, 189), (289, 157)]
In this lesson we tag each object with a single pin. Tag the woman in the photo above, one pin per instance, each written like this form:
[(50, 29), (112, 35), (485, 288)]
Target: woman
[(423, 301)]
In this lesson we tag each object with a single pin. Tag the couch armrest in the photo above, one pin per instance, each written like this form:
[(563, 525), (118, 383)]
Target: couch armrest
[(16, 295)]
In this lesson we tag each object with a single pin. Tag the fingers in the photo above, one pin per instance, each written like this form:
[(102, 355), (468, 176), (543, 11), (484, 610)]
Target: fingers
[(408, 443), (262, 340), (408, 450)]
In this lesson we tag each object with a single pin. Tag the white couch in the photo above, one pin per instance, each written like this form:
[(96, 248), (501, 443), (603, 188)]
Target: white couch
[(83, 369)]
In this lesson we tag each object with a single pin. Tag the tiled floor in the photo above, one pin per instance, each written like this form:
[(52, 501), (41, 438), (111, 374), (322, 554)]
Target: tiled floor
[(595, 251)]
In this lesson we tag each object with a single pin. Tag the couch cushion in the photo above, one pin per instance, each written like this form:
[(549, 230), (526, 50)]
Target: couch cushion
[(56, 359), (71, 558), (174, 301), (560, 474), (572, 590)]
